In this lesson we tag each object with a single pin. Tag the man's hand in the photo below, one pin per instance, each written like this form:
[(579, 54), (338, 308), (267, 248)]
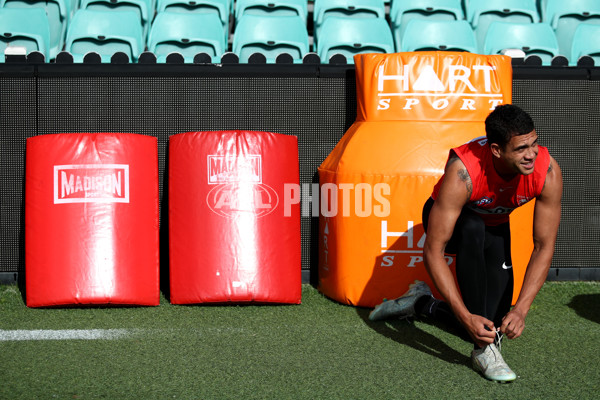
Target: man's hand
[(481, 329), (513, 324)]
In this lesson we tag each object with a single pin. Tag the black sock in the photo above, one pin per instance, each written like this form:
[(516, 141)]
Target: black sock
[(424, 304), (439, 310)]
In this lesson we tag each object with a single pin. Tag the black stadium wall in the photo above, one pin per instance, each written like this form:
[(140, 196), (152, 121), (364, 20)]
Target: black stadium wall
[(316, 103)]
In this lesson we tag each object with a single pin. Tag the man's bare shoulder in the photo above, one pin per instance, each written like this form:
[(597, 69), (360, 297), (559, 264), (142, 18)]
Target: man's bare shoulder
[(553, 181), (457, 178)]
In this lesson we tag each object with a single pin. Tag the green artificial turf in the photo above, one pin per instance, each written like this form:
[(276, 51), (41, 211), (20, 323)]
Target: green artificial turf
[(317, 350)]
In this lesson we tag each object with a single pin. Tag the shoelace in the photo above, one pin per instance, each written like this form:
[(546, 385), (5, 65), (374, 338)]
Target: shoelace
[(498, 340)]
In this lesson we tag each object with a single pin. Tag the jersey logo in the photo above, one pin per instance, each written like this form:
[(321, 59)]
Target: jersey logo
[(483, 201), (522, 200)]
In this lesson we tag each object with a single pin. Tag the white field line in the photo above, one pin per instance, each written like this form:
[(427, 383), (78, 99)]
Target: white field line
[(7, 335), (64, 334)]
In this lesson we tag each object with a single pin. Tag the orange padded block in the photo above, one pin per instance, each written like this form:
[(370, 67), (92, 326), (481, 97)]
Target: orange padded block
[(412, 108)]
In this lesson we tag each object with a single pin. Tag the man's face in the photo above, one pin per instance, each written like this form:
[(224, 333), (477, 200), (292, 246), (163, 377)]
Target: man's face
[(519, 154)]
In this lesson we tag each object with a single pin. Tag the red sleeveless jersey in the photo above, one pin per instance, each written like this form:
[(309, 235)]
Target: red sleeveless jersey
[(494, 198)]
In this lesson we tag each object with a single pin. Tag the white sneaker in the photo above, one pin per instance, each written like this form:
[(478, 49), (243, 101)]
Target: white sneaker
[(490, 363)]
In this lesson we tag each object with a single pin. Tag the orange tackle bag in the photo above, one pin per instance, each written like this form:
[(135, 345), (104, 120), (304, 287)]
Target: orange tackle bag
[(412, 109)]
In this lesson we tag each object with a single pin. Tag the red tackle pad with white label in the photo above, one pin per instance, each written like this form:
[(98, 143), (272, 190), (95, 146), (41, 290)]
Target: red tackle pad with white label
[(91, 220), (234, 218)]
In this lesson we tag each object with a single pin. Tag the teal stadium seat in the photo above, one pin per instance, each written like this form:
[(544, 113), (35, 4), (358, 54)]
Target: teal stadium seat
[(423, 35), (350, 36), (402, 12), (58, 12), (105, 32), (187, 34), (481, 13), (565, 15), (222, 8), (443, 10), (271, 8), (324, 9), (586, 42), (534, 39), (271, 36), (24, 27), (143, 8)]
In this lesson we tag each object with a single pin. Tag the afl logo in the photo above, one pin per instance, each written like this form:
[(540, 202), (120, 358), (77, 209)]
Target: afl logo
[(232, 199), (484, 201)]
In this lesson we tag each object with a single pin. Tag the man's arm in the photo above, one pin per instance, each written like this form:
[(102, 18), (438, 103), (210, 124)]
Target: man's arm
[(546, 219), (454, 193)]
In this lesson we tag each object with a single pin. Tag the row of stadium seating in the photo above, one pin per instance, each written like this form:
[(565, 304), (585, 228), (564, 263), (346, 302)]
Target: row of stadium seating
[(546, 28)]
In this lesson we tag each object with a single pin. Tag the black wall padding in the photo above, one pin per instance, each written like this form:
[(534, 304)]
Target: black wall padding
[(317, 110), (18, 120), (567, 118), (316, 104)]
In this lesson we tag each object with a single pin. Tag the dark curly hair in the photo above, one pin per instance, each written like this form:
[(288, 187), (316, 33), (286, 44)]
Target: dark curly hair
[(506, 121)]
